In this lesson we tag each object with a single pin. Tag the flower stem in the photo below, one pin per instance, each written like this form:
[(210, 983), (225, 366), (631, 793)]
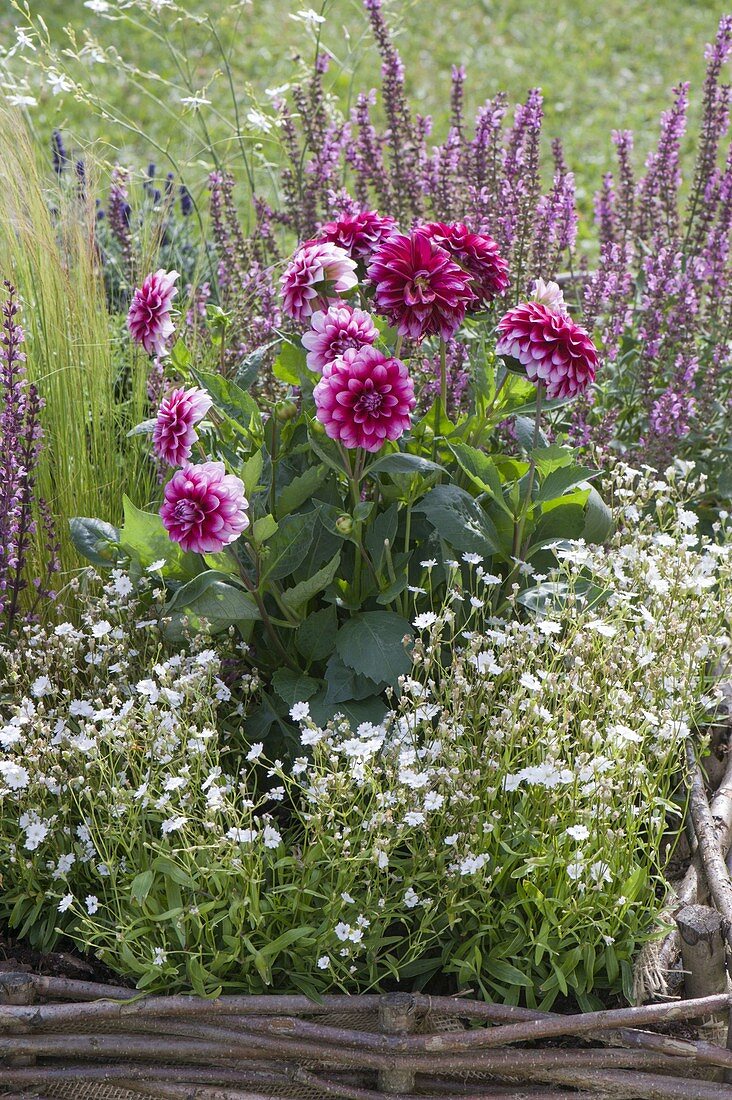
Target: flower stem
[(518, 533)]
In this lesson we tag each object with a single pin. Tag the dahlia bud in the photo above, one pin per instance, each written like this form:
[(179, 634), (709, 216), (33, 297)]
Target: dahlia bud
[(285, 410), (344, 525)]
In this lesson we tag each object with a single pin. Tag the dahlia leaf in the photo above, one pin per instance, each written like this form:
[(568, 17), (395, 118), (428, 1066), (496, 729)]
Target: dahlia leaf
[(294, 687), (400, 463), (288, 546), (566, 477), (298, 595), (315, 637), (460, 520), (372, 644), (598, 518), (94, 539), (300, 489), (144, 538)]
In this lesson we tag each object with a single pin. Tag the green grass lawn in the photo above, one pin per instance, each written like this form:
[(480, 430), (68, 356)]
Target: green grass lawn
[(600, 66)]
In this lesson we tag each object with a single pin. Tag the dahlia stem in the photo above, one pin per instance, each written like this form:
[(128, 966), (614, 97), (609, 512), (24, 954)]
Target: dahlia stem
[(443, 373), (398, 347), (518, 533), (266, 621)]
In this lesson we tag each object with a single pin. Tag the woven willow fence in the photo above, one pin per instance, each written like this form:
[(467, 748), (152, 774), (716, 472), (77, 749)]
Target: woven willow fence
[(63, 1038)]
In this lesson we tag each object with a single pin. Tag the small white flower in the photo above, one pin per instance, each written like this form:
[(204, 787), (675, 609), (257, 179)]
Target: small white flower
[(300, 711), (66, 902), (259, 121), (92, 904), (173, 824), (324, 962), (549, 626), (195, 101), (578, 832), (342, 931), (157, 565), (15, 776), (307, 16), (242, 836), (17, 99), (58, 82), (472, 559), (430, 563), (159, 956), (271, 837), (255, 751), (411, 899), (35, 834), (530, 682), (600, 627), (101, 629), (575, 869), (40, 687), (99, 7), (425, 620)]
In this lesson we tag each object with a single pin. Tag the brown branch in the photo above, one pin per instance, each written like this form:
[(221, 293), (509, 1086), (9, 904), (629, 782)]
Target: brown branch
[(713, 860), (693, 888)]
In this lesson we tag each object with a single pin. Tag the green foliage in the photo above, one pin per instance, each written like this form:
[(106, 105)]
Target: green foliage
[(340, 537)]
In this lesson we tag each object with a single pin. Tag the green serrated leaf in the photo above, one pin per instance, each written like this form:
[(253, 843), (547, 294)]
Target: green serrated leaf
[(294, 687), (300, 489), (264, 528), (288, 546), (459, 520), (402, 463), (211, 597), (315, 638), (482, 471), (566, 477), (144, 538), (300, 593), (372, 644)]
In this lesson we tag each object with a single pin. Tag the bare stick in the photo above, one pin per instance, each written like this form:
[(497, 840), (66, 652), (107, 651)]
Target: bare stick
[(715, 867), (693, 887)]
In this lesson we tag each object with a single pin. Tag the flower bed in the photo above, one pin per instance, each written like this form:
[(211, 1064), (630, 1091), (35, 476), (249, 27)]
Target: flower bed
[(391, 674)]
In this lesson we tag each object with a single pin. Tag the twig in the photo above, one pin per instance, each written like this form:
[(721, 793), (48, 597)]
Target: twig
[(693, 888), (713, 861)]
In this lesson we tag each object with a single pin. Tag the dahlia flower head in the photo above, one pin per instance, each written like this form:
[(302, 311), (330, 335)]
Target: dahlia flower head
[(358, 234), (174, 433), (477, 254), (204, 508), (552, 349), (149, 318), (364, 398), (418, 287), (549, 294), (334, 331), (316, 277)]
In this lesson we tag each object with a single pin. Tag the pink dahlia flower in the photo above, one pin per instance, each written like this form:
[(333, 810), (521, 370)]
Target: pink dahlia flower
[(204, 508), (174, 433), (359, 234), (149, 319), (549, 294), (419, 287), (317, 275), (477, 254), (334, 331), (551, 348), (364, 398)]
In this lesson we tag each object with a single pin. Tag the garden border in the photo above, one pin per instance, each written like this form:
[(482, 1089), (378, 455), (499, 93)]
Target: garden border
[(57, 1033)]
